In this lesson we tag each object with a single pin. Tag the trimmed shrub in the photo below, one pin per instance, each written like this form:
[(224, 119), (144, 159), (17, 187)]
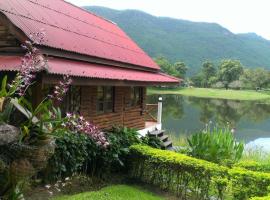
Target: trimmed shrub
[(247, 183), (254, 166), (218, 85), (236, 85), (194, 178), (260, 198), (181, 174)]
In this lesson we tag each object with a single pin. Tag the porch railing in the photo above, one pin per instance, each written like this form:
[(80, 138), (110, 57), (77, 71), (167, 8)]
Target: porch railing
[(151, 112)]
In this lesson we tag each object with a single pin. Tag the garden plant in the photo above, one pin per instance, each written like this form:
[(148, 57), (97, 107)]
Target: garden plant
[(216, 145)]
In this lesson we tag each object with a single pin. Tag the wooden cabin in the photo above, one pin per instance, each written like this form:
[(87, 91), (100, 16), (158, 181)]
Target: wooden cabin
[(110, 72)]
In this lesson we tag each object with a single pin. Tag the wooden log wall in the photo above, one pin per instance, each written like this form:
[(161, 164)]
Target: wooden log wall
[(123, 115)]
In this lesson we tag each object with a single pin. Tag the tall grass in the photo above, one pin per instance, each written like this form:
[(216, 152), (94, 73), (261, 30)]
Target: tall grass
[(216, 145), (178, 140), (213, 144), (256, 154)]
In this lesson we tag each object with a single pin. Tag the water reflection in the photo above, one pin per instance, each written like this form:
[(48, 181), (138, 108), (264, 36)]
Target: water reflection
[(188, 114), (263, 144)]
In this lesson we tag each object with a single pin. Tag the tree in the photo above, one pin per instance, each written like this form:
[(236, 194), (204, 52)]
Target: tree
[(181, 69), (212, 80), (178, 69), (165, 65), (207, 75), (209, 70), (255, 78), (197, 80), (229, 71)]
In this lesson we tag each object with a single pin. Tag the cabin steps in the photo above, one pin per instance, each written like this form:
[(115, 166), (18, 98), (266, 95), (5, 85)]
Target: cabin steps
[(166, 143), (164, 138), (157, 133)]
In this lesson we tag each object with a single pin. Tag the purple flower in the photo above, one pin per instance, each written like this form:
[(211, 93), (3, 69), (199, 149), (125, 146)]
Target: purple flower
[(79, 124), (32, 62), (61, 89)]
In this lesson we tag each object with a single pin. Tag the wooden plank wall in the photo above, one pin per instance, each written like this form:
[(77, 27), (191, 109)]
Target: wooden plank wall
[(7, 39), (123, 114)]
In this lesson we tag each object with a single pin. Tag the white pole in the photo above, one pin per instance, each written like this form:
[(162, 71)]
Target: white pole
[(159, 114)]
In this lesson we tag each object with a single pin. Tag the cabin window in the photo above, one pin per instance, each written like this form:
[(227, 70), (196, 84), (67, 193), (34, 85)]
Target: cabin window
[(136, 94), (47, 90), (72, 100), (105, 99)]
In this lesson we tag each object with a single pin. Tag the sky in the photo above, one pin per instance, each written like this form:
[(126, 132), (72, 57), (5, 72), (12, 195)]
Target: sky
[(239, 16)]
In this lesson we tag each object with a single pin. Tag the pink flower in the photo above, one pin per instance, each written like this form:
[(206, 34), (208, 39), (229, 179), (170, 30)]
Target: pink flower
[(61, 89), (78, 124), (32, 62)]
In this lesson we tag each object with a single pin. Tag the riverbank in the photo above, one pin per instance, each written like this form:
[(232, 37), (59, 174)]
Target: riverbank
[(213, 93)]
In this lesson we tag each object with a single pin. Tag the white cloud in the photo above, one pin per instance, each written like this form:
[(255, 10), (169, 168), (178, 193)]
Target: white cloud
[(239, 16)]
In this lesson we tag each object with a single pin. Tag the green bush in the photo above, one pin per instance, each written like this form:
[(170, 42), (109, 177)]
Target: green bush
[(216, 145), (70, 155), (152, 141), (253, 166), (79, 153), (194, 178), (115, 157)]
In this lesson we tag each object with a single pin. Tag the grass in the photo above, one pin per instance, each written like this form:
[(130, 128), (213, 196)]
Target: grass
[(116, 192), (178, 140), (256, 154), (213, 93)]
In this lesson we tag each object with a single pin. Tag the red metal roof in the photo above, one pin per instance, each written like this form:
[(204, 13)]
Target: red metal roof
[(85, 69), (71, 28)]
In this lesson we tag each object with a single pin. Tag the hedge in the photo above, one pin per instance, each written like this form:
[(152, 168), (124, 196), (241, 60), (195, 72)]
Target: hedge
[(176, 172), (194, 178), (246, 183), (260, 198), (254, 166)]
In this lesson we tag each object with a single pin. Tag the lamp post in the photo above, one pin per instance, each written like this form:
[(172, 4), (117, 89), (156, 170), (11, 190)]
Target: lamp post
[(159, 114)]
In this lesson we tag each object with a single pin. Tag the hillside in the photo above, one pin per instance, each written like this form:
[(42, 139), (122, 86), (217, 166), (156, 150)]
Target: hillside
[(191, 42)]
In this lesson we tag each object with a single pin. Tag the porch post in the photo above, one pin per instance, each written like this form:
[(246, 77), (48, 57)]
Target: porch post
[(159, 114)]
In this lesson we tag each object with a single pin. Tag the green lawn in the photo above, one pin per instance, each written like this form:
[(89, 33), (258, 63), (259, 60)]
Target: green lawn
[(213, 93), (116, 192)]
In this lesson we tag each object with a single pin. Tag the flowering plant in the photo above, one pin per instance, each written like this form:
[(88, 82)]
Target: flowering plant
[(79, 124), (32, 62), (61, 89)]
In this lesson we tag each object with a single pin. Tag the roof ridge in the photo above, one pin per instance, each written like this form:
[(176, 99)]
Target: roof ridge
[(142, 52), (90, 13)]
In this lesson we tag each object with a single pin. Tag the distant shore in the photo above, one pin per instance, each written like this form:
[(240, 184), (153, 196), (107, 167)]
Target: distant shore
[(213, 93)]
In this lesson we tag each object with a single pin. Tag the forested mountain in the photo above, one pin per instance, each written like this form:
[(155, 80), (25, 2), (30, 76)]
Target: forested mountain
[(190, 42)]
